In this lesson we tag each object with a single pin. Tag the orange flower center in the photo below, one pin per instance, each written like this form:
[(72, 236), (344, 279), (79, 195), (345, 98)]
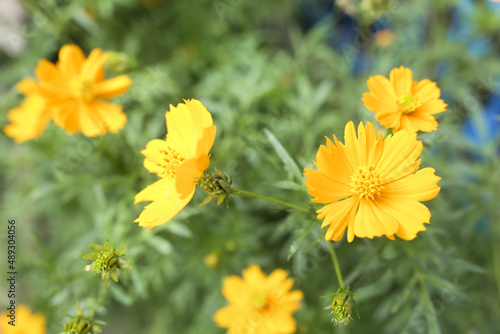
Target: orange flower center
[(366, 181), (82, 89), (170, 160), (262, 303), (408, 103)]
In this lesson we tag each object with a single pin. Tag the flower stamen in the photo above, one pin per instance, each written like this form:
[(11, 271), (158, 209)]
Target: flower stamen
[(366, 182), (408, 103), (171, 159), (82, 89)]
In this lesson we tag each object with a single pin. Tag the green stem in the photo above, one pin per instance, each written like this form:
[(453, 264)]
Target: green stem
[(100, 299), (244, 193), (336, 265)]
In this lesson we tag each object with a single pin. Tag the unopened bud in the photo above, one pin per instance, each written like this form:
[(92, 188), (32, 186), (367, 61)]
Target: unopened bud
[(106, 261)]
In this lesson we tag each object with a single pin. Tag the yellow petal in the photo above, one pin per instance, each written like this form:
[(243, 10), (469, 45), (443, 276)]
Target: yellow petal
[(166, 203), (233, 288), (112, 87), (402, 80), (227, 316), (399, 157), (28, 86), (111, 115), (93, 66), (410, 215), (421, 186), (323, 188), (71, 59), (339, 215), (371, 221), (29, 120), (186, 126)]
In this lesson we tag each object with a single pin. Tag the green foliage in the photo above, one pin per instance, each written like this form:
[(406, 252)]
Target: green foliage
[(274, 91)]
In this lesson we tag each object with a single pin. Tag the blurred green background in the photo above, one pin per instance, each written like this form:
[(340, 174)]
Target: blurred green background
[(297, 69)]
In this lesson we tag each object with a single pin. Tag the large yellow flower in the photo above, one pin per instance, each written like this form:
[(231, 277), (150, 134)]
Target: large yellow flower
[(371, 185), (179, 161), (25, 322), (29, 120), (259, 304), (75, 91), (403, 104)]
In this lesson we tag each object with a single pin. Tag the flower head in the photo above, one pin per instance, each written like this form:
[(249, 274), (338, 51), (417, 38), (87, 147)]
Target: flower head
[(106, 261), (341, 307), (372, 186), (74, 92), (403, 104), (81, 324), (24, 322), (259, 303), (179, 161)]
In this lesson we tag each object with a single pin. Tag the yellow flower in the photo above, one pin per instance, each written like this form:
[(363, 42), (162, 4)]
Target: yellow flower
[(179, 161), (75, 91), (371, 185), (29, 120), (403, 104), (259, 304), (25, 322)]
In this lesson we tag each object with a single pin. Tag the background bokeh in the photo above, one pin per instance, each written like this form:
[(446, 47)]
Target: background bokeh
[(277, 77)]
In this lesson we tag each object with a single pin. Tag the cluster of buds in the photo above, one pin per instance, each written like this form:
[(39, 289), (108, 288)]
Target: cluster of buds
[(81, 324), (341, 307), (217, 186), (106, 261)]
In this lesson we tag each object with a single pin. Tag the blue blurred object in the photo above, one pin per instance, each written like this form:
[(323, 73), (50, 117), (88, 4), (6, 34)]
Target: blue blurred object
[(462, 30), (347, 36), (484, 128)]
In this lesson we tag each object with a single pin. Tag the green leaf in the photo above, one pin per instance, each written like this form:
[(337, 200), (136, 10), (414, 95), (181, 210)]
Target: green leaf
[(290, 165)]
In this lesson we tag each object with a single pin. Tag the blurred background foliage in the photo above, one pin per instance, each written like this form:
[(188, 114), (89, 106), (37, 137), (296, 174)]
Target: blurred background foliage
[(277, 76)]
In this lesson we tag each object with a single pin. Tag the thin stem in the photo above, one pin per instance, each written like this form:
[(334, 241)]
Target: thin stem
[(100, 299), (336, 265), (244, 193)]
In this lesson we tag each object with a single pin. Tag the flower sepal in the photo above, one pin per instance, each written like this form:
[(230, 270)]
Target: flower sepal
[(217, 186)]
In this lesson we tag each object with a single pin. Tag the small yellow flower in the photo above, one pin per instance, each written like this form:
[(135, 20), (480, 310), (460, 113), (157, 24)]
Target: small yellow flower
[(75, 92), (259, 303), (403, 104), (180, 161), (371, 185), (25, 322)]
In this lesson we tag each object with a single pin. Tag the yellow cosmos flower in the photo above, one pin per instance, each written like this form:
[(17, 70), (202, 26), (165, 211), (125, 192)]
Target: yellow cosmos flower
[(179, 160), (25, 322), (403, 104), (29, 120), (259, 304), (371, 185), (75, 91)]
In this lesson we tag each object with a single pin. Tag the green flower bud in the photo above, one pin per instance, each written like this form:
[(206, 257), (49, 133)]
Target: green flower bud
[(81, 324), (341, 307), (106, 261), (120, 62), (217, 186)]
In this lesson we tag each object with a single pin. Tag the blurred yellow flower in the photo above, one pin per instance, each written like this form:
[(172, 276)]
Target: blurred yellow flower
[(259, 303), (29, 120), (371, 185), (25, 322), (75, 91), (179, 160), (403, 104)]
